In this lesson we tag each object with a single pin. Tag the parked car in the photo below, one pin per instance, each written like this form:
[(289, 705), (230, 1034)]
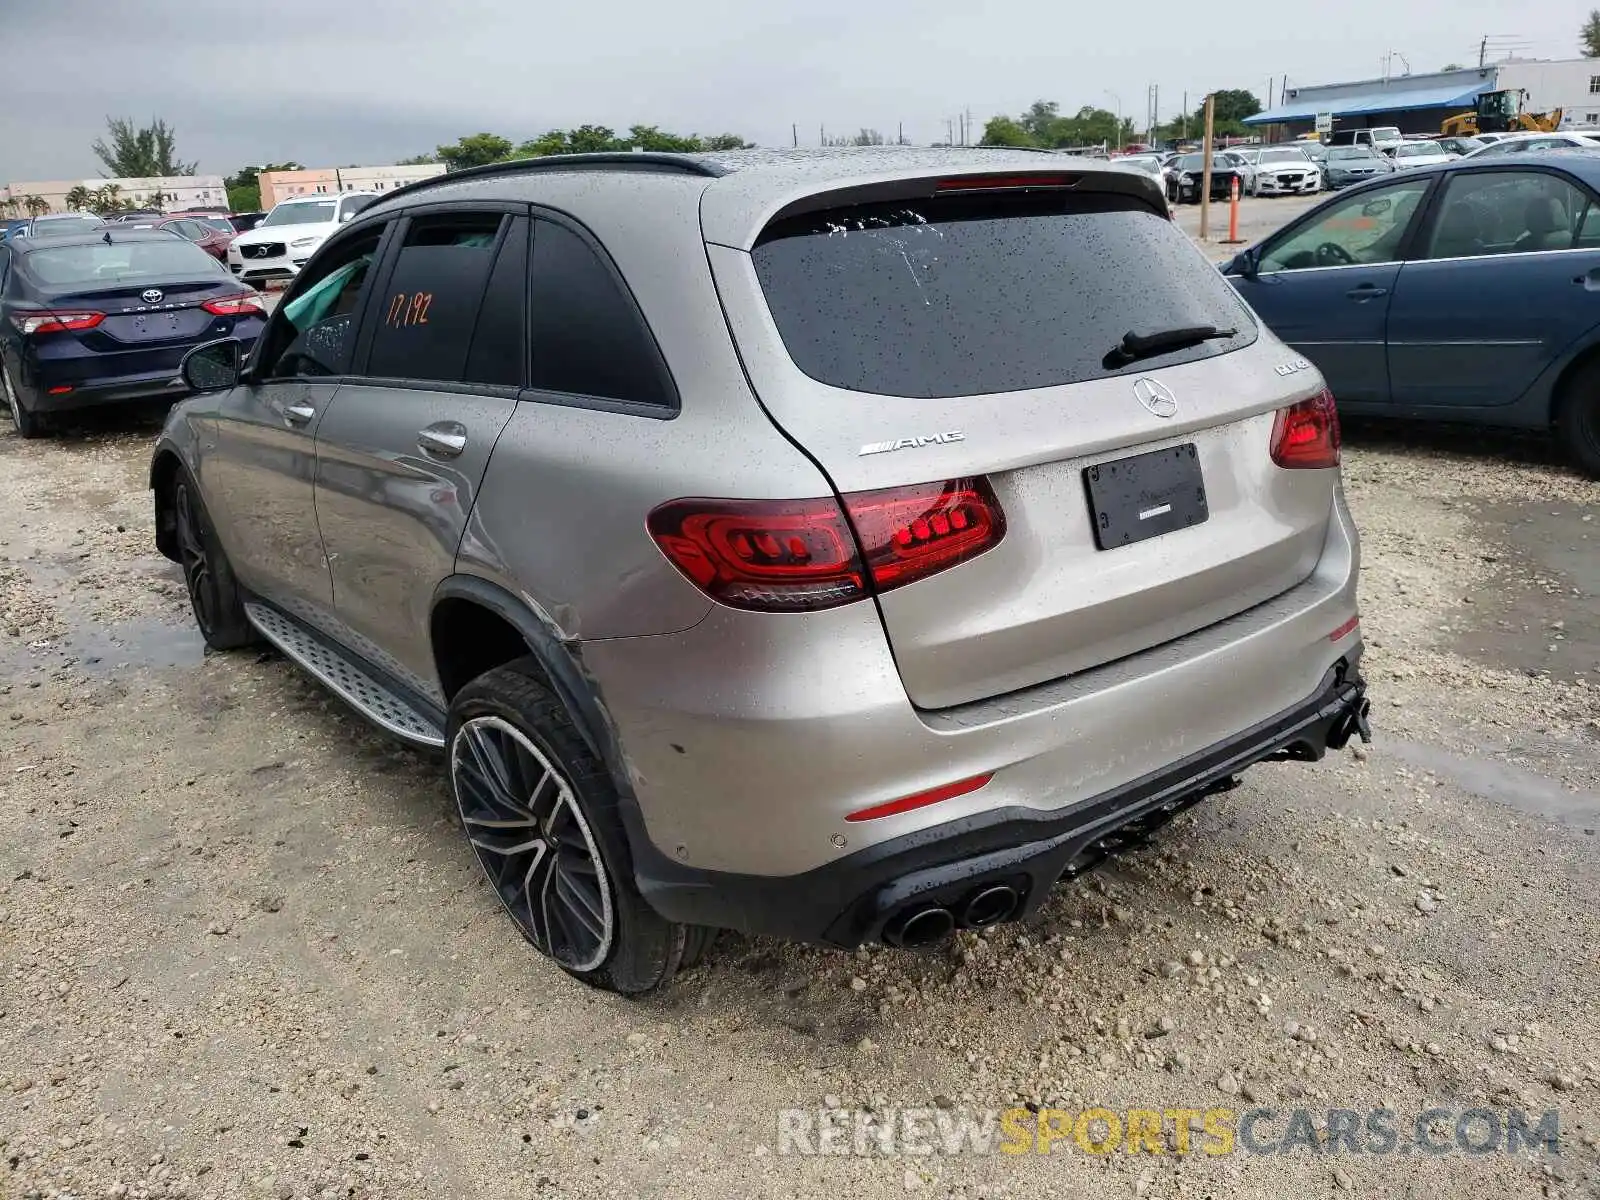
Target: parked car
[(1384, 137), (387, 490), (133, 215), (106, 316), (277, 248), (1527, 143), (1409, 155), (246, 221), (1460, 145), (203, 232), (1186, 177), (1354, 164), (1446, 294), (1286, 171), (14, 227), (51, 224)]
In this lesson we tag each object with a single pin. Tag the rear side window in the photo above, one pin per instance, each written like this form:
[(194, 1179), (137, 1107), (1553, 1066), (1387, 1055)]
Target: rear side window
[(428, 311), (588, 338), (963, 295)]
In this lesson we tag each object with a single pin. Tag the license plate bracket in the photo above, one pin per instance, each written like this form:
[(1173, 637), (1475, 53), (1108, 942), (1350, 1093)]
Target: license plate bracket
[(1132, 499)]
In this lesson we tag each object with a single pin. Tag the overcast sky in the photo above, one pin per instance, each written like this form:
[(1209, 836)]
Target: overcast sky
[(336, 82)]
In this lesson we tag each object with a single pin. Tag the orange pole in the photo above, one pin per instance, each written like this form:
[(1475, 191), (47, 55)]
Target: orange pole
[(1233, 212)]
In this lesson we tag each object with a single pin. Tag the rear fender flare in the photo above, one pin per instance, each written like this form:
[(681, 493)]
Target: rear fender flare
[(562, 661)]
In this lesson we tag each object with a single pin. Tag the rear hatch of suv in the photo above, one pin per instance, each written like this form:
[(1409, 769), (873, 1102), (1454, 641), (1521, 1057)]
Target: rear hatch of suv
[(1092, 392)]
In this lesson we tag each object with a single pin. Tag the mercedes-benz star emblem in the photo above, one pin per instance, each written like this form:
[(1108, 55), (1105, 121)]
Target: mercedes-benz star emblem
[(1156, 397), (151, 295)]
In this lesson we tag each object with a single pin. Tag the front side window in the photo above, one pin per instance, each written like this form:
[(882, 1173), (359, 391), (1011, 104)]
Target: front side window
[(1508, 212), (1365, 229), (428, 311), (313, 333)]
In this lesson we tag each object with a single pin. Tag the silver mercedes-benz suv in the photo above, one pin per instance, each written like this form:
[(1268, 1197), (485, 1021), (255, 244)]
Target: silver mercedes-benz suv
[(844, 546)]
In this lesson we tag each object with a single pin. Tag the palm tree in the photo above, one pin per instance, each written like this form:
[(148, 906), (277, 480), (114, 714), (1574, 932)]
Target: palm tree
[(37, 206), (78, 198), (12, 205), (107, 199)]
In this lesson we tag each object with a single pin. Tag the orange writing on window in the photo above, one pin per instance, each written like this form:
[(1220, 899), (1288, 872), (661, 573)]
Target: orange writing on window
[(409, 309)]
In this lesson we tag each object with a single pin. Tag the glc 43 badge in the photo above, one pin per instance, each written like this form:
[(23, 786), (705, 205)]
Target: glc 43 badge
[(1290, 368)]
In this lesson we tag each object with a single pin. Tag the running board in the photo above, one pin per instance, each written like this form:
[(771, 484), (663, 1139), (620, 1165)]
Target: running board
[(354, 685)]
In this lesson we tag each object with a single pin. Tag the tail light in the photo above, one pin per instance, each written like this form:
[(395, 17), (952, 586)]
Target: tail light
[(55, 322), (236, 306), (1306, 435), (802, 555)]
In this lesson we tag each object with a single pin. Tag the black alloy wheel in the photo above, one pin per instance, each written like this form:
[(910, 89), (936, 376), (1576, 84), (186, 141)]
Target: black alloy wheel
[(533, 842), (195, 558)]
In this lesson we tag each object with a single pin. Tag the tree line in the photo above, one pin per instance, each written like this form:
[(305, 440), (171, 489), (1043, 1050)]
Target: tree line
[(1043, 127), (480, 149)]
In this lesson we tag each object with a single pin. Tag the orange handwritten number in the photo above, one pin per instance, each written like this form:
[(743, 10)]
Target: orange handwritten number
[(409, 310)]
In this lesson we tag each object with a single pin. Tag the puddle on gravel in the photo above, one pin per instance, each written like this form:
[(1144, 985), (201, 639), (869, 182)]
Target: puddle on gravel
[(1503, 783), (98, 651), (1543, 612)]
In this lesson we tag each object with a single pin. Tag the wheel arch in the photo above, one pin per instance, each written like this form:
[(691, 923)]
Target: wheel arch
[(459, 658), (561, 661), (164, 468), (1574, 366)]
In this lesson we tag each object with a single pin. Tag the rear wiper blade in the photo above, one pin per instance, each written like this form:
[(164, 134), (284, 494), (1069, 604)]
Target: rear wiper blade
[(1135, 346)]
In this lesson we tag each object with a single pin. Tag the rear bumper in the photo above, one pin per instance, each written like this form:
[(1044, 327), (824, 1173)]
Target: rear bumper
[(1016, 854), (746, 743)]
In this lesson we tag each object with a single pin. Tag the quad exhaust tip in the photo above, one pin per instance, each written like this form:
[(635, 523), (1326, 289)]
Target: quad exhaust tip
[(921, 927), (989, 906)]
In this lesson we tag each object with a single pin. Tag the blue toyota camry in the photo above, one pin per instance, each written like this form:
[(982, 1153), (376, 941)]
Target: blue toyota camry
[(1465, 292), (104, 316)]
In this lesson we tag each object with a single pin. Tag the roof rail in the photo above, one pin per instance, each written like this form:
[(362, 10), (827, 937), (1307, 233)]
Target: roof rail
[(624, 160)]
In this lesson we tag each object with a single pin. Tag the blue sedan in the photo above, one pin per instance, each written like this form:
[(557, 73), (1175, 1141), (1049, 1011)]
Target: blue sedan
[(1465, 292)]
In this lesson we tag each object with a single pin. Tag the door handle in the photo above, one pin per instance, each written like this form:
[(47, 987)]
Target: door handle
[(1367, 291), (298, 414), (444, 440)]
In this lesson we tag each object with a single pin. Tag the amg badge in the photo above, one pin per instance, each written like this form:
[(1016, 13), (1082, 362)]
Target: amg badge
[(913, 443)]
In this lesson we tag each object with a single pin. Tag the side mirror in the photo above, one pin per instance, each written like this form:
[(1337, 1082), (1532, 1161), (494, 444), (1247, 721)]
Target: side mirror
[(1246, 264), (213, 367)]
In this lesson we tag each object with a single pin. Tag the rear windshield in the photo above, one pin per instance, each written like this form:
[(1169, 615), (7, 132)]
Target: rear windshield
[(110, 264), (963, 295), (301, 212)]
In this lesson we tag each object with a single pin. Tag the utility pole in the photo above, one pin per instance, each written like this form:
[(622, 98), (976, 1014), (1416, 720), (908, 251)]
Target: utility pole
[(900, 135), (822, 135), (794, 132), (1205, 175), (1183, 132), (966, 128), (1483, 49)]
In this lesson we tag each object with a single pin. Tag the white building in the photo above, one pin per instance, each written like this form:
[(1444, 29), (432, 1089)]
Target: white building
[(282, 185), (172, 193), (1572, 85)]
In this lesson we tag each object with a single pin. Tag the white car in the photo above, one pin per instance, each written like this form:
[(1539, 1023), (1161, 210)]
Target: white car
[(277, 248), (1408, 155), (1286, 171), (1530, 143)]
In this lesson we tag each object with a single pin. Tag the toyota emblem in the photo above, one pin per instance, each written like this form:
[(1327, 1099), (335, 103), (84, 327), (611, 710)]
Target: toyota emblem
[(151, 295), (1156, 397)]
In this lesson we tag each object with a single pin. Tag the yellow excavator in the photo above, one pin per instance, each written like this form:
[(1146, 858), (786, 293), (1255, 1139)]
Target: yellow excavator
[(1500, 112)]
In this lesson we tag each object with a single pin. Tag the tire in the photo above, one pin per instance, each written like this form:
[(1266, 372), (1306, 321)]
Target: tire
[(1578, 418), (524, 781), (214, 593), (26, 422)]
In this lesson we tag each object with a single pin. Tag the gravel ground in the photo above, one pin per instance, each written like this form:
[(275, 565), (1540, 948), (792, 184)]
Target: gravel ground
[(244, 952)]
